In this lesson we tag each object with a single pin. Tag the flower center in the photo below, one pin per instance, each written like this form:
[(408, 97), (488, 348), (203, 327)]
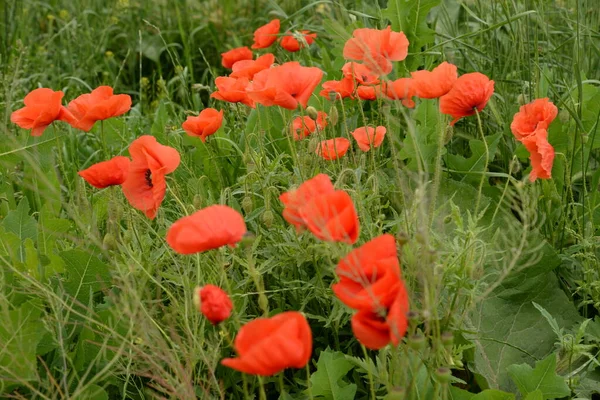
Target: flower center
[(148, 176)]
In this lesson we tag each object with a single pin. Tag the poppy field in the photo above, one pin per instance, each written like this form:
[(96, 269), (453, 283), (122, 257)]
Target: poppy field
[(393, 199)]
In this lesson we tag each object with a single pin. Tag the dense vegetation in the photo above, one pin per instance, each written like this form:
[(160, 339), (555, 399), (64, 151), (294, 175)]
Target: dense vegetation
[(502, 274)]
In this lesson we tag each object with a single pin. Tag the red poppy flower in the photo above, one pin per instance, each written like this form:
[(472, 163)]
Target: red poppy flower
[(107, 173), (248, 68), (286, 86), (207, 123), (304, 126), (369, 136), (145, 185), (360, 73), (294, 199), (213, 302), (470, 92), (372, 92), (434, 84), (375, 330), (338, 89), (369, 275), (291, 44), (533, 116), (401, 89), (99, 105), (333, 149), (234, 55), (267, 346), (207, 229), (331, 217), (377, 48), (541, 154), (42, 107), (266, 35), (232, 90)]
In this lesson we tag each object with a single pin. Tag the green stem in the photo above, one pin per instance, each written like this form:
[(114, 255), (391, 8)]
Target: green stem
[(103, 139), (487, 160), (308, 384), (371, 383)]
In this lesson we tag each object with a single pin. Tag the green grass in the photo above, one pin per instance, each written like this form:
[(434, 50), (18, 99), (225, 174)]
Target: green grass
[(94, 303)]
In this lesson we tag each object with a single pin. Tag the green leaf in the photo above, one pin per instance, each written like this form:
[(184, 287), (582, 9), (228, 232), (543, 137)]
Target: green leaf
[(410, 17), (20, 332), (93, 392), (476, 162), (491, 394), (21, 224), (87, 274), (541, 378), (511, 330), (535, 395), (327, 382)]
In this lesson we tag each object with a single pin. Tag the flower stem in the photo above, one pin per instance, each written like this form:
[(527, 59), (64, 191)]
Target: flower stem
[(371, 383)]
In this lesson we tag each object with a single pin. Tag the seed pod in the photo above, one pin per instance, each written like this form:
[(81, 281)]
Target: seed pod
[(417, 341), (397, 393), (447, 339), (443, 375)]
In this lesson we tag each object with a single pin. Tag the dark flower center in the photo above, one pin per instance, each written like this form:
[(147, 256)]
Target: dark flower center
[(148, 176)]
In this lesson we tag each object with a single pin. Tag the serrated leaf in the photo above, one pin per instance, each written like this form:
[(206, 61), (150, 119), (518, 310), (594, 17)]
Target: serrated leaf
[(20, 223), (86, 274), (20, 332), (476, 162), (327, 381), (410, 17), (535, 395), (541, 378)]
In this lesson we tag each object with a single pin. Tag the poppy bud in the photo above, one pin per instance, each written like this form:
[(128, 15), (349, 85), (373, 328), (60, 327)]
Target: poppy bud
[(312, 113), (421, 237), (263, 302), (402, 238), (109, 242), (197, 202), (333, 115), (416, 341), (63, 14), (585, 138), (267, 218), (443, 375), (144, 82), (397, 393), (522, 99), (213, 302), (515, 165), (109, 54), (247, 204), (178, 69), (563, 115), (447, 219)]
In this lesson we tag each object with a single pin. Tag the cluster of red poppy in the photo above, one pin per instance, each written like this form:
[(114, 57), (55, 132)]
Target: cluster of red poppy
[(370, 277), (44, 106), (530, 127)]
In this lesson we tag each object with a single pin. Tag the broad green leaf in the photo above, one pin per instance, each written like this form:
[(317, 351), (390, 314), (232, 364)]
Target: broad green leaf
[(511, 330), (160, 123), (93, 392), (86, 274), (20, 223), (488, 394), (476, 162), (535, 395), (589, 384), (20, 332), (410, 17), (327, 381), (542, 378)]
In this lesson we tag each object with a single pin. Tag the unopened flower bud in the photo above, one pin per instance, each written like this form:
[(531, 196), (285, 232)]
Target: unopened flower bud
[(333, 115), (312, 113), (402, 238), (267, 218), (522, 99), (197, 202), (448, 134), (564, 116), (109, 242), (247, 204), (515, 165)]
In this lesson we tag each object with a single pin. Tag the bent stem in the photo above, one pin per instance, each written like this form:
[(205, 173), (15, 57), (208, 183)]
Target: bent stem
[(487, 160)]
